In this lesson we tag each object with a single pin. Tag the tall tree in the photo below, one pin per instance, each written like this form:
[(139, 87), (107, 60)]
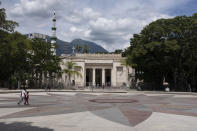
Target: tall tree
[(70, 70), (78, 48), (13, 55), (118, 51), (166, 49), (43, 61), (5, 24), (21, 58), (85, 49)]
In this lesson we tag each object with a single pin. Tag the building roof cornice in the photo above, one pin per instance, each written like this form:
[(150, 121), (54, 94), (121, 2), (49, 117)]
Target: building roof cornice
[(94, 56)]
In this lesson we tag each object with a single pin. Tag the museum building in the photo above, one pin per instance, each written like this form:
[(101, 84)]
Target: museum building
[(98, 70)]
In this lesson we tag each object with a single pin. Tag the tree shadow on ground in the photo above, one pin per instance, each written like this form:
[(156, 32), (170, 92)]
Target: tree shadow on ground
[(21, 126)]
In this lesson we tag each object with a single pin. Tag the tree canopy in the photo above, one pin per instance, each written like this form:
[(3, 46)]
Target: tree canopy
[(166, 49), (5, 24), (71, 69), (78, 48), (85, 49), (23, 59)]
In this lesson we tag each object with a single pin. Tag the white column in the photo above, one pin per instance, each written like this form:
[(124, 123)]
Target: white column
[(93, 80), (84, 76), (103, 76), (114, 75), (111, 78)]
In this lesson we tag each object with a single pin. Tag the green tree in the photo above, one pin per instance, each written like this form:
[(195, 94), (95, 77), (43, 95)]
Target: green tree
[(166, 49), (13, 56), (43, 61), (70, 70), (78, 48), (85, 49), (6, 25), (23, 59), (118, 51)]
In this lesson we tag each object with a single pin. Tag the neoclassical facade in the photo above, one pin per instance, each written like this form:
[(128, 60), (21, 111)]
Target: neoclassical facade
[(98, 70)]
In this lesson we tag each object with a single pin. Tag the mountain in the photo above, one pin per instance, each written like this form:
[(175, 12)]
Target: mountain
[(66, 47), (93, 47)]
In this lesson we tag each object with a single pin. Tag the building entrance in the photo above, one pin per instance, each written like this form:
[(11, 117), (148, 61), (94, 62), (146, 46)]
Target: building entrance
[(108, 77), (98, 77), (89, 74)]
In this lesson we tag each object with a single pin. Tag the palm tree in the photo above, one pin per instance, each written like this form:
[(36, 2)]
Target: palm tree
[(70, 70), (78, 48), (86, 49)]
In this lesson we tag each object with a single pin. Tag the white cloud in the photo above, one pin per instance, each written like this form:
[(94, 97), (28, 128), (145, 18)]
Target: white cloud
[(81, 16), (32, 7), (167, 4), (118, 31), (110, 24), (94, 26)]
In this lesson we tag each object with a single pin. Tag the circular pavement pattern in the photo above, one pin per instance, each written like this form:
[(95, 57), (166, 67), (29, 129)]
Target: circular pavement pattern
[(113, 100), (131, 109)]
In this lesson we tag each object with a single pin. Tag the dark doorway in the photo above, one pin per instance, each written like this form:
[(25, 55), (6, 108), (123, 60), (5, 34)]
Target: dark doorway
[(89, 74), (98, 77), (108, 77)]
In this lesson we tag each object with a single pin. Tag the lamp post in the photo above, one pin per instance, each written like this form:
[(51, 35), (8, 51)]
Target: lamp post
[(165, 83)]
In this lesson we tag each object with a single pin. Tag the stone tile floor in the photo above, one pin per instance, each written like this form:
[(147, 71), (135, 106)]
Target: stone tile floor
[(83, 111)]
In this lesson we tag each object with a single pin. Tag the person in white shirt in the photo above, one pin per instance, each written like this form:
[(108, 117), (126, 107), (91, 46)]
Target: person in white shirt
[(22, 96)]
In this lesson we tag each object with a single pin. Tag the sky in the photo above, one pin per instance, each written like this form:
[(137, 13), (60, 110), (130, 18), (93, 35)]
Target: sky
[(109, 23)]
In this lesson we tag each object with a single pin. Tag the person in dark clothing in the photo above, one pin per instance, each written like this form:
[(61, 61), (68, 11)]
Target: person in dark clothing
[(26, 98)]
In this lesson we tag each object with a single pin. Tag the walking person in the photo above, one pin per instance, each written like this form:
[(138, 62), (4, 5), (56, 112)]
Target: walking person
[(103, 86), (22, 96), (49, 87), (27, 98)]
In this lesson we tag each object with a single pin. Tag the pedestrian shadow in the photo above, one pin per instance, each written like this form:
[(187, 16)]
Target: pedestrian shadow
[(21, 126)]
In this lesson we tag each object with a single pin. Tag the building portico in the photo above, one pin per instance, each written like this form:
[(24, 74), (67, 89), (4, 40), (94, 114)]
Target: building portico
[(98, 76), (99, 69)]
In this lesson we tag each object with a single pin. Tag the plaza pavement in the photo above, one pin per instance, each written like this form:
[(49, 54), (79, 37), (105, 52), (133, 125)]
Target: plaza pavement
[(109, 110)]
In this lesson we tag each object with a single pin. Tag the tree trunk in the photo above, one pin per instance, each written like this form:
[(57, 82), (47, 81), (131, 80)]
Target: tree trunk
[(40, 80), (69, 82), (18, 84)]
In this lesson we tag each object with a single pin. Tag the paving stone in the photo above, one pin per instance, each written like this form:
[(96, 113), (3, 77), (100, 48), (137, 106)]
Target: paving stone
[(78, 111)]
